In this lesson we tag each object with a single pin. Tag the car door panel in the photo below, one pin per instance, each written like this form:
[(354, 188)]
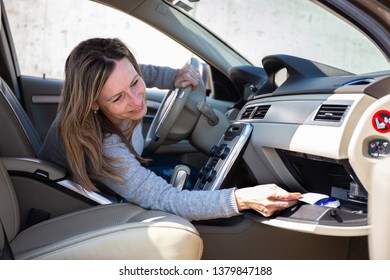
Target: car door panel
[(40, 97)]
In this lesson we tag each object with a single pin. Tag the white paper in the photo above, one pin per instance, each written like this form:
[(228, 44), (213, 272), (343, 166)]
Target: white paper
[(312, 198)]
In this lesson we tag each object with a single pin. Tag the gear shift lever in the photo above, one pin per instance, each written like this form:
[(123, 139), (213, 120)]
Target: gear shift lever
[(180, 176)]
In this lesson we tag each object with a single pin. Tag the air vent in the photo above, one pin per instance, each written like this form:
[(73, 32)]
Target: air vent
[(257, 112), (330, 112), (261, 111), (248, 112)]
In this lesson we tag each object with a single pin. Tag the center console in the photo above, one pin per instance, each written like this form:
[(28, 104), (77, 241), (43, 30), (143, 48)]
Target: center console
[(223, 156)]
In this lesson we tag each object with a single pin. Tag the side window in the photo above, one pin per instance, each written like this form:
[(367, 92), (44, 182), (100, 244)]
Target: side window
[(46, 32)]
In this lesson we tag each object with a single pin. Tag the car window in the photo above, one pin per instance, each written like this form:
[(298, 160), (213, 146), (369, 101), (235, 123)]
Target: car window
[(257, 28), (44, 34)]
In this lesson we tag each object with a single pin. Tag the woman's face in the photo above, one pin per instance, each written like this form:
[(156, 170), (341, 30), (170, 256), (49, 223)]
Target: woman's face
[(123, 94)]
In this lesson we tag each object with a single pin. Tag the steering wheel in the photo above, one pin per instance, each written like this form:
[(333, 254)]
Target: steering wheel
[(177, 115), (369, 155)]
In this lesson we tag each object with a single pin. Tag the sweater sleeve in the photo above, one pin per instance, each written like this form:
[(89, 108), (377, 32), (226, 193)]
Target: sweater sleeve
[(144, 188), (158, 76)]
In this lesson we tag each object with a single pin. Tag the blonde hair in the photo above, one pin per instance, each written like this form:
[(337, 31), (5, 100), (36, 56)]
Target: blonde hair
[(82, 131)]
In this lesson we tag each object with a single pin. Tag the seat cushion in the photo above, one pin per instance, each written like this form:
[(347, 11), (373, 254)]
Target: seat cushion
[(115, 231)]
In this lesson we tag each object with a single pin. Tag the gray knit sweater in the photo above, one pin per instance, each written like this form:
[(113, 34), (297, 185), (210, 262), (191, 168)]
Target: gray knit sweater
[(158, 76), (141, 186)]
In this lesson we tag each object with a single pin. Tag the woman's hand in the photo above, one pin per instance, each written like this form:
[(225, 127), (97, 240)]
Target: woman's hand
[(187, 76), (265, 199)]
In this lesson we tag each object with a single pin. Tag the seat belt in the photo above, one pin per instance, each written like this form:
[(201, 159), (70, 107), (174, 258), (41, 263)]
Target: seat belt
[(7, 251)]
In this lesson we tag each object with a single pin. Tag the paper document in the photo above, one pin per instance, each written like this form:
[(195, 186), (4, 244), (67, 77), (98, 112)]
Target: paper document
[(312, 198)]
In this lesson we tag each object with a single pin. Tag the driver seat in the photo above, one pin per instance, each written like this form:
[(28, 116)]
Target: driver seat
[(19, 137)]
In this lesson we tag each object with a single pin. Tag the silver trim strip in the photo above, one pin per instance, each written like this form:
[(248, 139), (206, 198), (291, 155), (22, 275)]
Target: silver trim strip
[(79, 189)]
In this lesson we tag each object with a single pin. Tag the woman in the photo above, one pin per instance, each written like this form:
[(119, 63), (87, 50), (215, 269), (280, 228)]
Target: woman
[(103, 101)]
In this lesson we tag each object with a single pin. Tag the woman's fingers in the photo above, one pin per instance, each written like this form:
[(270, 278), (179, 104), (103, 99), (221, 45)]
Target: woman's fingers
[(265, 199), (187, 76)]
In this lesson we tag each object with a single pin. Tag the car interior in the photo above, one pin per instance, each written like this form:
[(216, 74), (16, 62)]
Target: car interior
[(301, 124)]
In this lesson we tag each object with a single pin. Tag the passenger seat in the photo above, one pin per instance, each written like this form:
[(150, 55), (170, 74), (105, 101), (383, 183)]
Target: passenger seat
[(111, 231)]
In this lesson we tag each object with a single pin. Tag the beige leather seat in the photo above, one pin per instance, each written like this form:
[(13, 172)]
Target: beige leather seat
[(112, 231)]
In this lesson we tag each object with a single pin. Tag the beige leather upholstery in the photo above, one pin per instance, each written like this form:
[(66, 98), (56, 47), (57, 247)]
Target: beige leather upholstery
[(114, 231)]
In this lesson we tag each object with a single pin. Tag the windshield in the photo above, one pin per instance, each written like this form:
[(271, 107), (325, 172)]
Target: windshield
[(257, 28)]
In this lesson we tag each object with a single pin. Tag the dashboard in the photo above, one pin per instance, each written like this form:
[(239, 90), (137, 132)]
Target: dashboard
[(295, 130)]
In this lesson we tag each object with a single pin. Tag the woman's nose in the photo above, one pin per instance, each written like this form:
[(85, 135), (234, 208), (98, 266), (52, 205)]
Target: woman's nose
[(134, 97)]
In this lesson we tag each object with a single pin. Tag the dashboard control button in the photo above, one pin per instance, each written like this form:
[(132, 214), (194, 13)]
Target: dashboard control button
[(378, 148), (211, 175), (225, 152)]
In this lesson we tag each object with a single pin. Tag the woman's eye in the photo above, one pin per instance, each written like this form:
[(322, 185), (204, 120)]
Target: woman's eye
[(117, 98), (135, 82)]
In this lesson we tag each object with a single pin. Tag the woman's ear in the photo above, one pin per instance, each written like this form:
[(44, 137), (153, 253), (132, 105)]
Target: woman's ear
[(95, 107)]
